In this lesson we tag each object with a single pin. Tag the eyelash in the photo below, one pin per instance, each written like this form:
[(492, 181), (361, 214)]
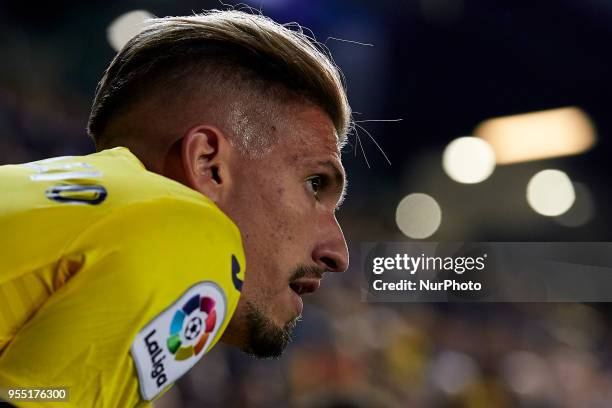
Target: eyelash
[(322, 183)]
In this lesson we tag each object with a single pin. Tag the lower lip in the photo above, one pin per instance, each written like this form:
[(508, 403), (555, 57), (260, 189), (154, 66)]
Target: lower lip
[(297, 302)]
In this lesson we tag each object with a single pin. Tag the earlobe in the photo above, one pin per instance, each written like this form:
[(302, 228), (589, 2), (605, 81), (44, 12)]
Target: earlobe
[(204, 160)]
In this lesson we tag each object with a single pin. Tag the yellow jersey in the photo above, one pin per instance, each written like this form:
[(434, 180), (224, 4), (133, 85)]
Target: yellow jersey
[(114, 281)]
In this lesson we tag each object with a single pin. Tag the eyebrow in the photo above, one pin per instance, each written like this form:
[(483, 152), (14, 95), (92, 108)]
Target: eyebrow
[(338, 177)]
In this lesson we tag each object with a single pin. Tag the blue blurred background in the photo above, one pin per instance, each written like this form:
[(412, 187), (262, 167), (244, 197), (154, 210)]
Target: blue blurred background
[(445, 68)]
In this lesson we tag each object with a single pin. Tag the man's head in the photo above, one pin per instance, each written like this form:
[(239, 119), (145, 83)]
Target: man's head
[(253, 115)]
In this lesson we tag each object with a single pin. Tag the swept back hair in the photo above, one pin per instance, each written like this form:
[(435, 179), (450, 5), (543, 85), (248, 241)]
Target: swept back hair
[(226, 48)]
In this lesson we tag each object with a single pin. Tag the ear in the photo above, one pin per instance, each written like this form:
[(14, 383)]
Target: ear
[(205, 153)]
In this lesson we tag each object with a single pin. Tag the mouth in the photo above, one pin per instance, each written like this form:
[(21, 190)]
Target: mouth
[(304, 285)]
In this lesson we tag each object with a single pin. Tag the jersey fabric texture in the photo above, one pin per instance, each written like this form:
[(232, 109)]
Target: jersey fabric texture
[(94, 251)]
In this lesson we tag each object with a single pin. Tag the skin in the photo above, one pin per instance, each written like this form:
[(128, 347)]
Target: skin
[(283, 208)]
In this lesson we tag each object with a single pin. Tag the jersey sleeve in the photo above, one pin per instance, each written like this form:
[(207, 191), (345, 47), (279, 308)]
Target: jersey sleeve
[(150, 290)]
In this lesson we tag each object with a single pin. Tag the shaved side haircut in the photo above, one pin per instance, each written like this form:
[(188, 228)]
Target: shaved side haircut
[(239, 69)]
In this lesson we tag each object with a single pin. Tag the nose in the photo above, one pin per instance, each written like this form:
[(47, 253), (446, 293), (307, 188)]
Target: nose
[(331, 252)]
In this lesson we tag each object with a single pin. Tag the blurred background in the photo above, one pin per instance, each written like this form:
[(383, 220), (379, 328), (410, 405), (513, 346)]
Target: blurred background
[(476, 121)]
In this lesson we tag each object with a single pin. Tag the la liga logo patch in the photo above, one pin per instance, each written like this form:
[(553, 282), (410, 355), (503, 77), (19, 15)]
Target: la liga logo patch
[(195, 320), (176, 339)]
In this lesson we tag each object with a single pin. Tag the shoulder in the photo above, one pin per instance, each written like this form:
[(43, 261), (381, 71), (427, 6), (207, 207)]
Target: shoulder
[(158, 248), (169, 221)]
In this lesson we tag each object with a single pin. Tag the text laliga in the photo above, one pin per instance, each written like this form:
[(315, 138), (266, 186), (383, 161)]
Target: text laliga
[(157, 373)]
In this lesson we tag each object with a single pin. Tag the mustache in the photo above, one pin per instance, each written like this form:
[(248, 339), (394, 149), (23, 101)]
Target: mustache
[(308, 272)]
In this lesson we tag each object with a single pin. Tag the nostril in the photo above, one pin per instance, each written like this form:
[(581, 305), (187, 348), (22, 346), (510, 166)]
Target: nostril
[(330, 263)]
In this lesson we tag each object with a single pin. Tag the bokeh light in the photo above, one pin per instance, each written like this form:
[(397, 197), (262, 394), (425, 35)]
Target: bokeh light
[(453, 372), (583, 209), (538, 135), (126, 26), (526, 373), (468, 160), (550, 192), (418, 215)]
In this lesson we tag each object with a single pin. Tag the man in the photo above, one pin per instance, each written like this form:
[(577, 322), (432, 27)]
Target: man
[(122, 268)]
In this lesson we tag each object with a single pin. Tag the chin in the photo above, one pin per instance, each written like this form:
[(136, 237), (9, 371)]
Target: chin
[(265, 338)]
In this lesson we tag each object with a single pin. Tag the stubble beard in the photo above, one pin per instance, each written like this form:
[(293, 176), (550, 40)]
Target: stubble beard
[(265, 338)]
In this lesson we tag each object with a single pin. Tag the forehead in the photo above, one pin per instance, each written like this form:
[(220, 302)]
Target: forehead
[(306, 132)]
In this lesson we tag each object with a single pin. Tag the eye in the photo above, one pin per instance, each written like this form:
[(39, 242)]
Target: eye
[(314, 185)]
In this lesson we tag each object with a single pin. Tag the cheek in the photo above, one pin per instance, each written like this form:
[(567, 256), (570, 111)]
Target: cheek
[(267, 215), (273, 221)]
